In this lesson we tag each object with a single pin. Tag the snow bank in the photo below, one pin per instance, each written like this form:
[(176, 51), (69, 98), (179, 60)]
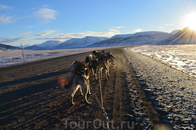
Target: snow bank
[(12, 57), (180, 57)]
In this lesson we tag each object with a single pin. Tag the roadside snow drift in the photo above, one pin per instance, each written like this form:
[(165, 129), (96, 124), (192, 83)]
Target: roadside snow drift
[(12, 57), (180, 57)]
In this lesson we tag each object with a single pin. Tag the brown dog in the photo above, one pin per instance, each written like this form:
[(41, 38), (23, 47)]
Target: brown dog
[(79, 80)]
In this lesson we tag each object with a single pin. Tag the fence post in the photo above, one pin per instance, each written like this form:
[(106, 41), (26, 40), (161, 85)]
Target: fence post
[(22, 52)]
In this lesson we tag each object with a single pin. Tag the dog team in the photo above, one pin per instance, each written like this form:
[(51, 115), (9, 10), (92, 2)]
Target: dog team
[(96, 64)]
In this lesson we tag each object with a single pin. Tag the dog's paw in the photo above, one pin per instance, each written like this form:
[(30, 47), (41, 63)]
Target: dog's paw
[(89, 103), (73, 103)]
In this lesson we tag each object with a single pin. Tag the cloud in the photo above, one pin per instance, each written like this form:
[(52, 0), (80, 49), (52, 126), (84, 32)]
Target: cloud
[(165, 25), (31, 26), (5, 19), (45, 14), (137, 30), (112, 32), (52, 39), (9, 39), (120, 27), (161, 27), (25, 33), (168, 24), (67, 36), (3, 7), (44, 33)]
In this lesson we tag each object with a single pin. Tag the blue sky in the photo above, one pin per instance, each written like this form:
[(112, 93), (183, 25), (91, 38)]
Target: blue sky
[(36, 21)]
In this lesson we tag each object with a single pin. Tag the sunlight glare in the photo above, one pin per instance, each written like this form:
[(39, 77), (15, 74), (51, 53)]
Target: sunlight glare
[(190, 21)]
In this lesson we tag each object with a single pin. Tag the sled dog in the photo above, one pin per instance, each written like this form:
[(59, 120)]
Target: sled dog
[(93, 64), (79, 80), (104, 61)]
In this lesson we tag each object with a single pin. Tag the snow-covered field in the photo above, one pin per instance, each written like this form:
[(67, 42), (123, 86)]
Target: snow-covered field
[(171, 92), (180, 57), (12, 57)]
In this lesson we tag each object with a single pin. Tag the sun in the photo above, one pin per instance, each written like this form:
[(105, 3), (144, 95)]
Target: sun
[(190, 21)]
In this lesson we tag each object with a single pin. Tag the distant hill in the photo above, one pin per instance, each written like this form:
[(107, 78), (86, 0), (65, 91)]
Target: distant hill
[(122, 35), (79, 42), (44, 46), (174, 32), (7, 47), (141, 38), (72, 43), (184, 36)]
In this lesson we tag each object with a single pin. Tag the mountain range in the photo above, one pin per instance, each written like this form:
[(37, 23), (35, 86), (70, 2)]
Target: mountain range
[(72, 43), (80, 42), (184, 36), (44, 46), (140, 38)]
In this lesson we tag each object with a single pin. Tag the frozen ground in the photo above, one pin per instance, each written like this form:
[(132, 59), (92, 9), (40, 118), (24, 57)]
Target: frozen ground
[(171, 92), (15, 56), (181, 57)]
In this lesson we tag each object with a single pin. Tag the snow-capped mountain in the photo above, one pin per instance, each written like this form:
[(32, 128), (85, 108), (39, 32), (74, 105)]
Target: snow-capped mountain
[(140, 38), (72, 43), (184, 36), (122, 35), (44, 46), (79, 42), (50, 44), (7, 47), (174, 32)]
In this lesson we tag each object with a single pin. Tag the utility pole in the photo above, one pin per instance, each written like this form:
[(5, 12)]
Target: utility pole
[(22, 52)]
